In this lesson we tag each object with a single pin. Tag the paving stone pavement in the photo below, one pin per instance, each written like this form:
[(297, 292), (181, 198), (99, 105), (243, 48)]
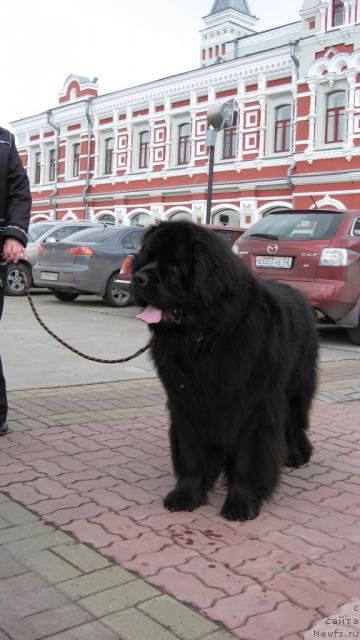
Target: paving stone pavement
[(87, 550)]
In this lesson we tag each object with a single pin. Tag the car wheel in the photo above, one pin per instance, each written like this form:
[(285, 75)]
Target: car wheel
[(354, 335), (14, 285), (115, 296), (65, 296)]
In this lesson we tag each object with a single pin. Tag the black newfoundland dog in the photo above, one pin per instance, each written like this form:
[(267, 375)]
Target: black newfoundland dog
[(237, 357)]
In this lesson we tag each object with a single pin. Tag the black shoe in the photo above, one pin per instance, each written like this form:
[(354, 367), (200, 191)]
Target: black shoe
[(4, 428)]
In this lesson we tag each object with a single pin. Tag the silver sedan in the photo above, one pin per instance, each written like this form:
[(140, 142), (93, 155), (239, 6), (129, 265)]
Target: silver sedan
[(87, 262)]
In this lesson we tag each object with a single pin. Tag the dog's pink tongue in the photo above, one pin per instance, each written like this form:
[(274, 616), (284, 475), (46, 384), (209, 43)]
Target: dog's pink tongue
[(150, 315)]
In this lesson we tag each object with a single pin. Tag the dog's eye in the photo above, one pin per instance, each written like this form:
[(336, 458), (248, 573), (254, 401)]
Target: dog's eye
[(173, 269)]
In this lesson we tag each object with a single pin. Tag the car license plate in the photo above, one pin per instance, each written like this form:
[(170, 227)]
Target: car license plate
[(49, 275), (273, 262)]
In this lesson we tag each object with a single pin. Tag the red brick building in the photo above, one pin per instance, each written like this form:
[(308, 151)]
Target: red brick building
[(139, 154)]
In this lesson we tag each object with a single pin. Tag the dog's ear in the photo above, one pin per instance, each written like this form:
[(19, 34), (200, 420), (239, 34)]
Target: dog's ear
[(213, 274)]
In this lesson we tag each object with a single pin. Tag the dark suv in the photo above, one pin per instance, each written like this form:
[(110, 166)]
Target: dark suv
[(317, 252)]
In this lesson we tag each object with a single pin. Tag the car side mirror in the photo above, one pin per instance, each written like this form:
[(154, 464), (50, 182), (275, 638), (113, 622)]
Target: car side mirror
[(50, 240)]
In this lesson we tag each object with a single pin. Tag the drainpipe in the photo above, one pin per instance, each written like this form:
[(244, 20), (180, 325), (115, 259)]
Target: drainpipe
[(292, 166), (87, 181), (56, 173)]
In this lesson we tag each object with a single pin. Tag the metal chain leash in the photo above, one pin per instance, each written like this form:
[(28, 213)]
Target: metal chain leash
[(65, 344)]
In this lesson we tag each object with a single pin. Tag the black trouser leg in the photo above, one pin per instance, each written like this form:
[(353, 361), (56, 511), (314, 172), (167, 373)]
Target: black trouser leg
[(3, 398)]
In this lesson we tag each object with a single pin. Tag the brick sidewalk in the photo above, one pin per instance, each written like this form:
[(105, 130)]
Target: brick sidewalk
[(94, 462)]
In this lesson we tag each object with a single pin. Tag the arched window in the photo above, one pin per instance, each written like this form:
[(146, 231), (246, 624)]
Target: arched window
[(181, 215), (141, 220), (338, 13), (335, 117), (184, 144), (226, 217), (109, 148), (282, 128), (229, 143), (107, 217), (144, 150)]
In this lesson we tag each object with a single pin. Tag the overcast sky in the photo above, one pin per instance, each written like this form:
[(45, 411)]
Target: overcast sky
[(121, 42)]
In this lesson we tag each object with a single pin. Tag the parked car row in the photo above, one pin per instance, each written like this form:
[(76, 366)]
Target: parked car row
[(316, 251)]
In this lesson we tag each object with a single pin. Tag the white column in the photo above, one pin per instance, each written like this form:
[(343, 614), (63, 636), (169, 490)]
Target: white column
[(152, 134), (97, 145), (262, 101), (352, 11), (157, 212), (312, 117), (115, 136), (211, 95), (120, 215), (241, 103), (151, 144), (192, 138), (347, 11), (350, 112), (324, 8), (294, 109), (42, 159), (199, 210), (30, 159), (167, 143), (130, 139)]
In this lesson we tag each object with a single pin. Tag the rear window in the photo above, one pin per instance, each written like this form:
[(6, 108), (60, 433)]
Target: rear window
[(103, 234), (296, 226), (226, 234), (36, 229)]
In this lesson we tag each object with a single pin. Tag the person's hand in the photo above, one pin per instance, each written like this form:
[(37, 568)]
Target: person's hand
[(13, 250)]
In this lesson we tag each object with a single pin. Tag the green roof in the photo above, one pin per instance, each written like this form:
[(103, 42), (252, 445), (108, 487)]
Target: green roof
[(236, 5)]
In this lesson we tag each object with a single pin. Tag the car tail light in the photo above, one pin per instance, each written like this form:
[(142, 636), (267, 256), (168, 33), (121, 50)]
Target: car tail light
[(80, 251), (333, 257), (40, 250), (126, 268)]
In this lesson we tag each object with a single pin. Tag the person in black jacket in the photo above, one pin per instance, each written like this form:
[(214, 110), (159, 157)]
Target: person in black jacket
[(15, 206)]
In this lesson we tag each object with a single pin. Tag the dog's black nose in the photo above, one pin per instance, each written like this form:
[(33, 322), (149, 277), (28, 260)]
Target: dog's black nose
[(141, 279)]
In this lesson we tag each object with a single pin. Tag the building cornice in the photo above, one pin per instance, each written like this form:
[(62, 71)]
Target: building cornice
[(225, 74)]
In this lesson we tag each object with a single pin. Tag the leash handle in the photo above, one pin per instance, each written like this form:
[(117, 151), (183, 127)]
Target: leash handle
[(65, 344)]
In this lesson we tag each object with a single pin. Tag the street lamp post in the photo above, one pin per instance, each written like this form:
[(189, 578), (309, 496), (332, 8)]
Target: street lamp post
[(218, 117), (211, 135)]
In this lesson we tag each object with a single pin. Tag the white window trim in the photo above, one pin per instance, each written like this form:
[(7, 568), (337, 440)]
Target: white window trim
[(138, 128), (178, 120), (273, 103), (320, 128), (48, 148), (33, 151), (104, 135), (71, 141)]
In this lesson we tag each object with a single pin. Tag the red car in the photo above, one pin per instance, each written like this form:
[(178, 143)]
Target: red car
[(123, 282), (318, 253)]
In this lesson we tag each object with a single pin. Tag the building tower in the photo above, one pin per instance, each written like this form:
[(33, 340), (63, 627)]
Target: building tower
[(227, 21)]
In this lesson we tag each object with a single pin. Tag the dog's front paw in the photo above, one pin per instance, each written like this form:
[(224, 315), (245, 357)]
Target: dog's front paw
[(180, 500), (295, 459), (240, 510)]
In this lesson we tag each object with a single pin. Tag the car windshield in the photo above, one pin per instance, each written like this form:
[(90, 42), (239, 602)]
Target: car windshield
[(96, 235), (305, 225), (36, 230)]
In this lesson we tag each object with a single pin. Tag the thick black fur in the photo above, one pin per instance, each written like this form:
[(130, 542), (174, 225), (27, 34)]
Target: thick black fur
[(237, 357)]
